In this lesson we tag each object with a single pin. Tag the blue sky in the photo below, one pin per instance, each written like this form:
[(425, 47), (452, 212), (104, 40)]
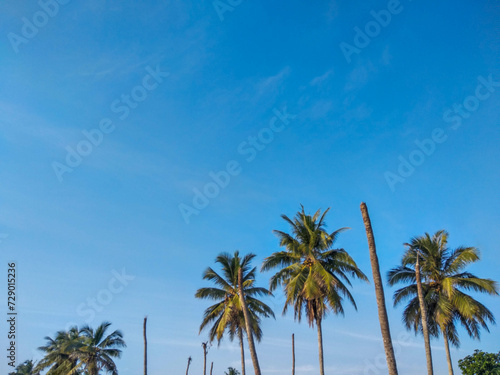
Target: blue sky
[(351, 126)]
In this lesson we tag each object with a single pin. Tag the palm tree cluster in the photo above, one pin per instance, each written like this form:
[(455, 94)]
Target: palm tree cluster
[(84, 351), (315, 277), (445, 285)]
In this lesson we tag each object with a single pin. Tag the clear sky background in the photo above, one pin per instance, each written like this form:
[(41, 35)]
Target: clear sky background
[(355, 121)]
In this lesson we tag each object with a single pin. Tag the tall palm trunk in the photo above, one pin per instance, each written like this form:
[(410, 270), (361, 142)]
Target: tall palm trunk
[(293, 354), (211, 368), (320, 347), (242, 347), (145, 347), (251, 344), (423, 314), (448, 355), (379, 292)]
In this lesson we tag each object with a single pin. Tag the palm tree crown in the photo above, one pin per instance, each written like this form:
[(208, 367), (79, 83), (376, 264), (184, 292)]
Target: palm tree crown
[(60, 353), (445, 285), (82, 351), (226, 313), (311, 270), (26, 368), (98, 350)]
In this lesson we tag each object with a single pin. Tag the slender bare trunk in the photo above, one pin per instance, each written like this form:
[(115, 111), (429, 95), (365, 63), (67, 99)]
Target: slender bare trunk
[(423, 314), (251, 344), (320, 347), (145, 347), (293, 354), (379, 292), (448, 354), (189, 362), (242, 347), (204, 345), (211, 368)]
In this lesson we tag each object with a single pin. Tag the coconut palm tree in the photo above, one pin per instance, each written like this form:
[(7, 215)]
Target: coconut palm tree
[(59, 353), (226, 315), (26, 368), (312, 272), (444, 284), (231, 371), (98, 350)]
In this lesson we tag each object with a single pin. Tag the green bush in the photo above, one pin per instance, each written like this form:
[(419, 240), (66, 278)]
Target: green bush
[(480, 363)]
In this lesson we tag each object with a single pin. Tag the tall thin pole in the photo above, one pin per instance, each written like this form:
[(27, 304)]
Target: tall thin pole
[(204, 345), (293, 354), (145, 347), (189, 362), (379, 292)]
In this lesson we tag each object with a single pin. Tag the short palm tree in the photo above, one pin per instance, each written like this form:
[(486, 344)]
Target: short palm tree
[(231, 371), (26, 368), (226, 315), (98, 350), (444, 284), (312, 272), (59, 353)]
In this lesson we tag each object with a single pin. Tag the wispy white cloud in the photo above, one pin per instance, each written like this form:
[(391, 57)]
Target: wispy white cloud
[(19, 123), (316, 81), (272, 83)]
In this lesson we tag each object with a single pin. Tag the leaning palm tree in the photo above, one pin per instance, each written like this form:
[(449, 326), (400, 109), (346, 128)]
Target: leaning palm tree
[(312, 272), (26, 368), (226, 315), (59, 353), (98, 350), (379, 294), (444, 287)]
